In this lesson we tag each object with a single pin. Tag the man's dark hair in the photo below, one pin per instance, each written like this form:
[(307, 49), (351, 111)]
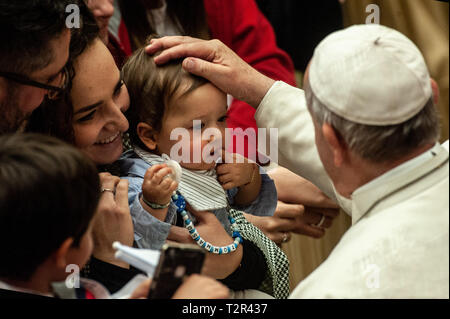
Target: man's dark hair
[(26, 29), (49, 192), (54, 117)]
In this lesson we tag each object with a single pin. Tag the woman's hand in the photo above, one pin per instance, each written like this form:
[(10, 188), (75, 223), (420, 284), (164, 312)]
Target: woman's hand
[(309, 209), (275, 228), (293, 218), (304, 219), (212, 231), (112, 221), (302, 209)]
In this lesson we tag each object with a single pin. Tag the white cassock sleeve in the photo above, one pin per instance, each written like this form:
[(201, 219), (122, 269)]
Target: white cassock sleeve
[(284, 108)]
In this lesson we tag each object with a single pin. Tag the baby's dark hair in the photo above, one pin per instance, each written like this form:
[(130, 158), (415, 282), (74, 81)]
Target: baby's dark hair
[(49, 192), (152, 87)]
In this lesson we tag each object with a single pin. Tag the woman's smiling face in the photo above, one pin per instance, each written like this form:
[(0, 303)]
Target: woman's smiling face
[(99, 100)]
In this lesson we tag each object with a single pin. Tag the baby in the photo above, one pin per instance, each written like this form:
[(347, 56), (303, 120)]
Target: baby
[(177, 117), (170, 109)]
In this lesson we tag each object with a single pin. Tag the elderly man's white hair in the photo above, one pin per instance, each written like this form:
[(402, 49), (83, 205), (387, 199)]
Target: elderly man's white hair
[(380, 143)]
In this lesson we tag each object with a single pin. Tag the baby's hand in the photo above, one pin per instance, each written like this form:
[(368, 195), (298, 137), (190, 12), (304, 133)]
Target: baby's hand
[(236, 174), (157, 188)]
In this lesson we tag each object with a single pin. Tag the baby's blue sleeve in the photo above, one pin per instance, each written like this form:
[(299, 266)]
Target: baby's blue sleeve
[(149, 232), (266, 202)]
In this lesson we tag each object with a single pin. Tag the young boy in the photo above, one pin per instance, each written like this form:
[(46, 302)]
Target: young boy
[(176, 115), (48, 198), (49, 195), (166, 100)]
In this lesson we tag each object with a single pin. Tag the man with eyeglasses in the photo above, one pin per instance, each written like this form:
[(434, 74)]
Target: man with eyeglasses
[(34, 50)]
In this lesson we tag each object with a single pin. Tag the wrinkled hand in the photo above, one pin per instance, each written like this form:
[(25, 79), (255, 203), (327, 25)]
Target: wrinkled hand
[(157, 186), (211, 230), (293, 218), (236, 172), (112, 221), (201, 287), (304, 218), (216, 62)]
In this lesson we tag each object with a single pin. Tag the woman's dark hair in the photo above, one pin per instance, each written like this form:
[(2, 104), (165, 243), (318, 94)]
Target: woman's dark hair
[(49, 192), (54, 117), (151, 89), (188, 14)]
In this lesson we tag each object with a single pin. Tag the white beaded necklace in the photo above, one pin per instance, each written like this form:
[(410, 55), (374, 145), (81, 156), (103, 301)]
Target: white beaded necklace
[(180, 202)]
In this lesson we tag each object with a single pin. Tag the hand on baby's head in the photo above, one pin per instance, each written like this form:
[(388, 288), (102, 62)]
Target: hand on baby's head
[(157, 187)]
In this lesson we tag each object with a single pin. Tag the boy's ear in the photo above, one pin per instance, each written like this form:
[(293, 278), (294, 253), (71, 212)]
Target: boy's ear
[(61, 254), (147, 135)]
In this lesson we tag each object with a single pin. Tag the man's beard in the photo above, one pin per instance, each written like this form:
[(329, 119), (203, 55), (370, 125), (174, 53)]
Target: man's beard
[(12, 119)]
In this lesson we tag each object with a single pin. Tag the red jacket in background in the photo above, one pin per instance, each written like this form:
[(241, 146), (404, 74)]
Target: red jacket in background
[(241, 26)]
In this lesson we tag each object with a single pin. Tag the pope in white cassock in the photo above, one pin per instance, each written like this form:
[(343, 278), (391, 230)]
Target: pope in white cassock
[(376, 129), (366, 131)]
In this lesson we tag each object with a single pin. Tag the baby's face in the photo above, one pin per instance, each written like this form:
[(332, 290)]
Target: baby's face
[(193, 141)]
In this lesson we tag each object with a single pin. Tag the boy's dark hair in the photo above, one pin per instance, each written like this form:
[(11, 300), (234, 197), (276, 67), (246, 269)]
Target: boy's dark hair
[(26, 29), (49, 192), (54, 117), (151, 89)]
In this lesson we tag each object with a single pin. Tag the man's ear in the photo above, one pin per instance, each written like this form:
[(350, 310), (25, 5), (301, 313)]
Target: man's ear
[(147, 135), (337, 146), (435, 89), (61, 254)]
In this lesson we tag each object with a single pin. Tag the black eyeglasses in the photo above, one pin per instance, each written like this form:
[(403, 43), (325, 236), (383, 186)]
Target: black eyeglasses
[(54, 92)]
